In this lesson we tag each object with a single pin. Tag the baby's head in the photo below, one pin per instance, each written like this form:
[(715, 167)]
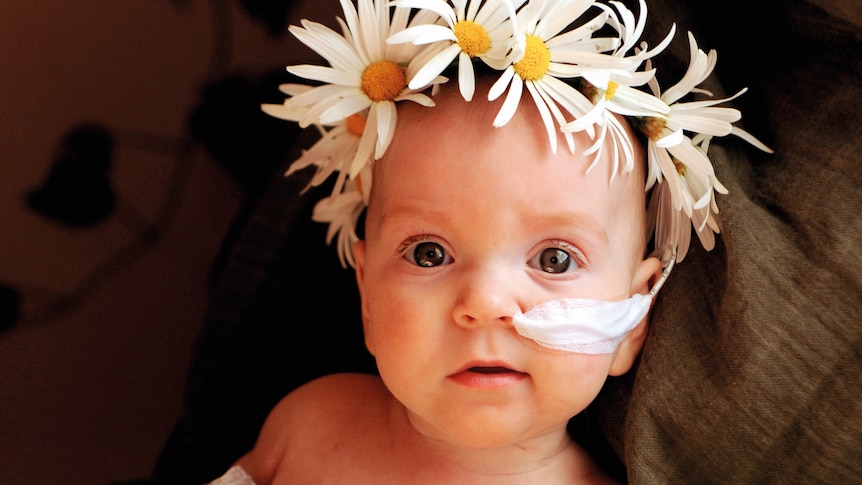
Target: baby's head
[(468, 225), (474, 220)]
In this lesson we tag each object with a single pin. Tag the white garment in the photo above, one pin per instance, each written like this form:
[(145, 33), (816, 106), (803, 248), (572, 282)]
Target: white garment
[(234, 476)]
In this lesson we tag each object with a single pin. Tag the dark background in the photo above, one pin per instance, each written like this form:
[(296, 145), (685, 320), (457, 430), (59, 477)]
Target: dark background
[(98, 323)]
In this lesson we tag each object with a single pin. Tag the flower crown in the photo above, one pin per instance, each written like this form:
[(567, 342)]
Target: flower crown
[(580, 61)]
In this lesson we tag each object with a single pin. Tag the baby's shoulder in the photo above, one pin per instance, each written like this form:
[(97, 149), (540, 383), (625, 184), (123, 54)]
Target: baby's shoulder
[(314, 417), (330, 401)]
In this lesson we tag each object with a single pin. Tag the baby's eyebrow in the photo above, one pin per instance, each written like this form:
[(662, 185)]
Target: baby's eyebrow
[(409, 214), (583, 222)]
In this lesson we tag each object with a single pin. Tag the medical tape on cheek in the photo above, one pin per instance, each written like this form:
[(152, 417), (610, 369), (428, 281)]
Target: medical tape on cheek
[(586, 326), (582, 325)]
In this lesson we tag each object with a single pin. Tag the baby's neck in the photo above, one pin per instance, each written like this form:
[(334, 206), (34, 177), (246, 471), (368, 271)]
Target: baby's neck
[(548, 458)]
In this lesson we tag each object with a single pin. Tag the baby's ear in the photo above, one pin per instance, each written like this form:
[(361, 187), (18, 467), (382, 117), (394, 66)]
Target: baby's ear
[(648, 272), (359, 260)]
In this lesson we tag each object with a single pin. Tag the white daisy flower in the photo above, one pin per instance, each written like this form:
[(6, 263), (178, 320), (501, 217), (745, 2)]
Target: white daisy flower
[(466, 30), (682, 169), (702, 118), (671, 227), (615, 97), (614, 92), (548, 55), (332, 153), (342, 211), (681, 161), (365, 74)]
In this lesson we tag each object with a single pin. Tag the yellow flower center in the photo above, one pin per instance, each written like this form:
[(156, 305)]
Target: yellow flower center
[(472, 37), (537, 59), (680, 168), (383, 81), (356, 124), (650, 126), (611, 91)]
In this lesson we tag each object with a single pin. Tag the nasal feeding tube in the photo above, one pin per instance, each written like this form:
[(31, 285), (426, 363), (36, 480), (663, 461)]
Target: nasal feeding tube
[(586, 326)]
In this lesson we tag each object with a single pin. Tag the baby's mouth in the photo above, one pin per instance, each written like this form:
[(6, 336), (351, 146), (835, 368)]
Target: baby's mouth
[(491, 376), (491, 370)]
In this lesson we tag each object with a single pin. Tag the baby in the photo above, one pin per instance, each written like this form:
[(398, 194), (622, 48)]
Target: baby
[(468, 225), (503, 278)]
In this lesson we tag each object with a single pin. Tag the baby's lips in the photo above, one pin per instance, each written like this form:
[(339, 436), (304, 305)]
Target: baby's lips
[(490, 367)]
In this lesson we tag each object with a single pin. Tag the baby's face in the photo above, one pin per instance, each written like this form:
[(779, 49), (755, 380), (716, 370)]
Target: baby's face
[(466, 225)]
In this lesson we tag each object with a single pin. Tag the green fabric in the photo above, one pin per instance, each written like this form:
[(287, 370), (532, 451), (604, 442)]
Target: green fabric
[(752, 370)]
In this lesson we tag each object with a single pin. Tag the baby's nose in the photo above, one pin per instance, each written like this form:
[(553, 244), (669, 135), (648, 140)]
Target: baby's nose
[(485, 297)]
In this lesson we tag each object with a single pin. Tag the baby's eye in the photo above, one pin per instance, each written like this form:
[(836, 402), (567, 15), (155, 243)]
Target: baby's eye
[(428, 254), (556, 260)]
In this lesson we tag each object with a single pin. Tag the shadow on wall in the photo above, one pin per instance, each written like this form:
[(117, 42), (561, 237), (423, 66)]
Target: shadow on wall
[(78, 192)]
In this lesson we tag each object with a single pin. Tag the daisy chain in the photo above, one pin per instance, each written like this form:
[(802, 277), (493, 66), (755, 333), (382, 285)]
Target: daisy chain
[(582, 62)]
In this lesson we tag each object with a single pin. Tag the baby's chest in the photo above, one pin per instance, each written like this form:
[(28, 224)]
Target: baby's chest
[(342, 463)]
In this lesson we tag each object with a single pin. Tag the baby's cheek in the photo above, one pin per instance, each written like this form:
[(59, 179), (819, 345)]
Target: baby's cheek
[(581, 370)]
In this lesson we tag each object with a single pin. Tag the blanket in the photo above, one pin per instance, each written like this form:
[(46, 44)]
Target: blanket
[(751, 372), (752, 369)]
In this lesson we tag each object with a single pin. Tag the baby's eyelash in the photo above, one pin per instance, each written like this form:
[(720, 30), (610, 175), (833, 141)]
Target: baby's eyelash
[(414, 240), (576, 253)]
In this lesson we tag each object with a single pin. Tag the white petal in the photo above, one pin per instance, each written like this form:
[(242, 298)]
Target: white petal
[(703, 201), (351, 27), (371, 27), (588, 119), (439, 7), (671, 177), (466, 78), (417, 98), (633, 102), (580, 34), (590, 60), (750, 139), (510, 105), (366, 145), (337, 50), (434, 67), (422, 34), (279, 111), (294, 89), (674, 138), (326, 75), (702, 124), (387, 117), (549, 95), (501, 84), (567, 96), (697, 163), (550, 126), (719, 113), (345, 107), (560, 16)]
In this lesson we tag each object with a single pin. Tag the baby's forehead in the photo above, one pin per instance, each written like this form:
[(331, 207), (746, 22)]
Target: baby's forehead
[(450, 140), (466, 128)]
